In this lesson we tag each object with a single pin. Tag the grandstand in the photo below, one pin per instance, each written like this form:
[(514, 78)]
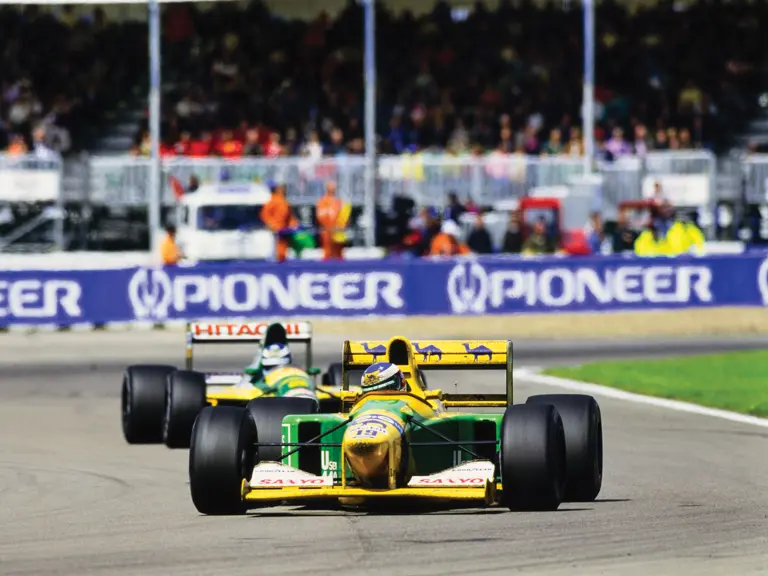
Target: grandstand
[(460, 84)]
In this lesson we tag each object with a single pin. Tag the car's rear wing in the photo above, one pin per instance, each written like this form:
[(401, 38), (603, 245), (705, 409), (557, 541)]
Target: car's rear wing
[(262, 333), (424, 354)]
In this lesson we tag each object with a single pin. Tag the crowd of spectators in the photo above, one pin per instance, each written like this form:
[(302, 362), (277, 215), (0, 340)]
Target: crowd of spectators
[(60, 73), (652, 228), (507, 80), (248, 82)]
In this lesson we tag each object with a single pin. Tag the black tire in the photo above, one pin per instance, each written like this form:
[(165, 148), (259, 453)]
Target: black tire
[(583, 443), (330, 406), (532, 458), (267, 414), (220, 457), (333, 376), (143, 403), (184, 399)]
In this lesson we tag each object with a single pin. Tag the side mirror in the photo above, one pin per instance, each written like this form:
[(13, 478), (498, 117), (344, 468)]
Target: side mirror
[(314, 371)]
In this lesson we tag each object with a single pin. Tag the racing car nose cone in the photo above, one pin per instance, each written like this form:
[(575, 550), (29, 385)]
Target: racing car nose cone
[(368, 460), (370, 445)]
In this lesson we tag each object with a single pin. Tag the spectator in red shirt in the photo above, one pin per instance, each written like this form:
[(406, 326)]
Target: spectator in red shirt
[(167, 149), (201, 147), (184, 143), (228, 147)]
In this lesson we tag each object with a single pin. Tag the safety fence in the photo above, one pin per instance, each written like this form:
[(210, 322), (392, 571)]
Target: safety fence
[(687, 177), (755, 170), (390, 287), (30, 179)]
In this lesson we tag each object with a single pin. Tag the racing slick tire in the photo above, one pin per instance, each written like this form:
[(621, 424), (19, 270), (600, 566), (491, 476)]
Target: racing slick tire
[(220, 457), (532, 458), (184, 399), (267, 414), (333, 376), (143, 403), (583, 443)]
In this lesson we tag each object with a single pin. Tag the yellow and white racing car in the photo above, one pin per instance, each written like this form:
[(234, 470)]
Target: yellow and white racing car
[(160, 402)]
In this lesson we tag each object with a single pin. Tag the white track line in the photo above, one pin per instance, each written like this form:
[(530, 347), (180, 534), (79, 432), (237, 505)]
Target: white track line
[(531, 375)]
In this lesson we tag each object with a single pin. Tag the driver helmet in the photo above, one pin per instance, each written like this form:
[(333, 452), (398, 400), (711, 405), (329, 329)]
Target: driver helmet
[(383, 376), (274, 356)]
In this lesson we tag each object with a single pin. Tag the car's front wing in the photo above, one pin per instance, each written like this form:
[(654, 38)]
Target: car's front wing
[(275, 482)]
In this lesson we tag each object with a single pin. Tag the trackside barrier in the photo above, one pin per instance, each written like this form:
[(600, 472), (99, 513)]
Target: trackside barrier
[(687, 177), (28, 178), (755, 172), (426, 178), (393, 287)]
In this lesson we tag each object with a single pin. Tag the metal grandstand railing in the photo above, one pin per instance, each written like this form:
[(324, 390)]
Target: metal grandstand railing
[(49, 222), (124, 181), (30, 192), (105, 197), (425, 178)]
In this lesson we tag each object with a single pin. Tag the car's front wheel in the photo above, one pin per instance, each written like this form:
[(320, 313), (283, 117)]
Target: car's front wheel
[(532, 458), (221, 456)]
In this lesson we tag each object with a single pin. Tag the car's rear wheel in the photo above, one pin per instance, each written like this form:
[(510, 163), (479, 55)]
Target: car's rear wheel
[(143, 403), (185, 398), (583, 426), (532, 458), (268, 414), (220, 457), (330, 405)]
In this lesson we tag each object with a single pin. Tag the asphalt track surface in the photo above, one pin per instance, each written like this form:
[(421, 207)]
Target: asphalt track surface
[(682, 494)]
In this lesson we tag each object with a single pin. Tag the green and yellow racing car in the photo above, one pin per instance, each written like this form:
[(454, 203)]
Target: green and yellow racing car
[(160, 403), (403, 444)]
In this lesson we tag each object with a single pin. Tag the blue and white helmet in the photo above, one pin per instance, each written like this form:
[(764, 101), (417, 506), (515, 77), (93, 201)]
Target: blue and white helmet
[(383, 376), (274, 356)]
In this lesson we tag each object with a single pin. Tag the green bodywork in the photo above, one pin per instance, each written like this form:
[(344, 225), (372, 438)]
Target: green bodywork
[(281, 380), (257, 375), (422, 460)]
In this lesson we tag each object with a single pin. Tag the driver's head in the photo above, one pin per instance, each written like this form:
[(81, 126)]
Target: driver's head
[(383, 376), (274, 356)]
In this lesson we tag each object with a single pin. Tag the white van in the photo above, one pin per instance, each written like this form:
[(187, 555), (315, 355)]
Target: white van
[(223, 222)]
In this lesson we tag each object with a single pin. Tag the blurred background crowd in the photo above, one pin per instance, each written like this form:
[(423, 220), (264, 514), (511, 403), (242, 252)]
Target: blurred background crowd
[(241, 80), (249, 82)]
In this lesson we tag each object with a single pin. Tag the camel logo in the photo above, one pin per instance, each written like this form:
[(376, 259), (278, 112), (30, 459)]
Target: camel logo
[(376, 351), (478, 351), (428, 351), (762, 281), (468, 287), (150, 294)]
